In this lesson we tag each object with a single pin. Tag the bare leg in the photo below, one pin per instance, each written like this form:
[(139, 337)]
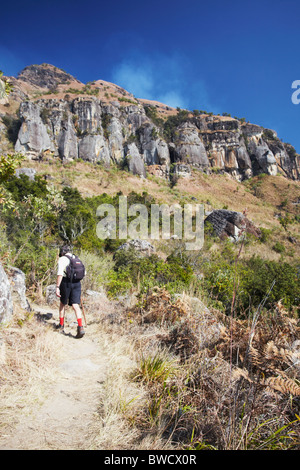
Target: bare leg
[(61, 312), (77, 311)]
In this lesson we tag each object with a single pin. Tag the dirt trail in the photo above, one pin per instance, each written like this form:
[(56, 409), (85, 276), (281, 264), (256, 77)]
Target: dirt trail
[(64, 420)]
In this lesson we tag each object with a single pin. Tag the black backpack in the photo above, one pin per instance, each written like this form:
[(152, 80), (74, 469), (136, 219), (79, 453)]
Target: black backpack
[(75, 270)]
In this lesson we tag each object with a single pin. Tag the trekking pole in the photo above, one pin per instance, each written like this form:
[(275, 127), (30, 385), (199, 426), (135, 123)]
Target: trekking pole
[(81, 303)]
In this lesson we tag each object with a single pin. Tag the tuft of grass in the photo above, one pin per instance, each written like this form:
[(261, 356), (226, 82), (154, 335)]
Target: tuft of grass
[(154, 369)]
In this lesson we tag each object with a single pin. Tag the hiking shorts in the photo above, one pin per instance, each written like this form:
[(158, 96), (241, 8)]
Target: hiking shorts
[(70, 292)]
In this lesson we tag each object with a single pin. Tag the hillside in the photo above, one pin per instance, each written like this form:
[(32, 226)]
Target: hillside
[(184, 350)]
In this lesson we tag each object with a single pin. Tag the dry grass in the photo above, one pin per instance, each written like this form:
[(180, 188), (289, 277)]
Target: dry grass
[(178, 376), (27, 353), (239, 390)]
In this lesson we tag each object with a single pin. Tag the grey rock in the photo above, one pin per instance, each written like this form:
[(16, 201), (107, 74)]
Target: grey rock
[(18, 287), (115, 139), (97, 132), (189, 148), (51, 294), (33, 135), (182, 170), (6, 302), (142, 247), (89, 114), (30, 172), (230, 224), (47, 76), (135, 162), (94, 148), (67, 142)]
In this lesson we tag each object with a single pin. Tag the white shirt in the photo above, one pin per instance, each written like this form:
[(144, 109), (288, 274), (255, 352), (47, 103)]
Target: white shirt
[(63, 262)]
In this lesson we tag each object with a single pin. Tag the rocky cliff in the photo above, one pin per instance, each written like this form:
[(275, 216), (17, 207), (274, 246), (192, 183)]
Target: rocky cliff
[(52, 113)]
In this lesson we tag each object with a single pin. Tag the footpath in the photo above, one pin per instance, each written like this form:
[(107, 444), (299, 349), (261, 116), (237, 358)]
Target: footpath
[(65, 419)]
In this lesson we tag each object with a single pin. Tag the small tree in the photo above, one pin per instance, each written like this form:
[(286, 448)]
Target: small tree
[(8, 165)]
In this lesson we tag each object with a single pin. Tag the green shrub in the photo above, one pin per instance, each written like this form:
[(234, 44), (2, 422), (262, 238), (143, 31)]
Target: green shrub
[(279, 247), (23, 186), (265, 234)]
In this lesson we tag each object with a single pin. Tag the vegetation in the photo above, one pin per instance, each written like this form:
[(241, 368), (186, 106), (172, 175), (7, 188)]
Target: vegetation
[(42, 217), (5, 86), (168, 125), (86, 90), (236, 389)]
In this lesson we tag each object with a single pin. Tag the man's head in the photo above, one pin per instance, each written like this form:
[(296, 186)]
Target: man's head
[(64, 249)]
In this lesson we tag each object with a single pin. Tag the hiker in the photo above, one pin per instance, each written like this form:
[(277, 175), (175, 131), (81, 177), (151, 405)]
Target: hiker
[(68, 290)]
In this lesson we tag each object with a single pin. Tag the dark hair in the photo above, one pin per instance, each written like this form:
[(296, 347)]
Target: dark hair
[(64, 249)]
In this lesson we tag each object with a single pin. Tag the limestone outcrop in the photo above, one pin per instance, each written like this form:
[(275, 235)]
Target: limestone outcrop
[(230, 224), (81, 122)]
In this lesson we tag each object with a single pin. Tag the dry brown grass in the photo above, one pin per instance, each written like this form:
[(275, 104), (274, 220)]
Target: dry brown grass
[(169, 385), (27, 354), (239, 392)]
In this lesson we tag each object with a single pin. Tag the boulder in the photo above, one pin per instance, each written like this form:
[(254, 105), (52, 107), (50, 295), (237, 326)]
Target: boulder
[(51, 297), (142, 247), (230, 224), (30, 172), (18, 288), (182, 170), (6, 302)]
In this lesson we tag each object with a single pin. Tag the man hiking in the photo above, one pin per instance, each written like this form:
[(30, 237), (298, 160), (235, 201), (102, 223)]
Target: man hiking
[(68, 287)]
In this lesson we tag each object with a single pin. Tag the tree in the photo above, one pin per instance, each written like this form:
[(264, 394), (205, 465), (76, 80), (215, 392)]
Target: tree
[(8, 165)]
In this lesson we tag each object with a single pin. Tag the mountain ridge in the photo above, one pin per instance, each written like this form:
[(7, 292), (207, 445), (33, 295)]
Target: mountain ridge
[(102, 122)]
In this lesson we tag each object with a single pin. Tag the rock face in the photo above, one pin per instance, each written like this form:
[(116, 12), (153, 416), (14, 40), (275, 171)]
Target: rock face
[(12, 292), (18, 288), (230, 224), (6, 303), (46, 76), (76, 125)]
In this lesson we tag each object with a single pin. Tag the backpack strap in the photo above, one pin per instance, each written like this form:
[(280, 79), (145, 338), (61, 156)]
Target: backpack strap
[(69, 279)]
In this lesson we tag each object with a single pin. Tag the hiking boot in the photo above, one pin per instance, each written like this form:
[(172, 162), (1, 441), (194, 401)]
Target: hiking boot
[(60, 329), (80, 332)]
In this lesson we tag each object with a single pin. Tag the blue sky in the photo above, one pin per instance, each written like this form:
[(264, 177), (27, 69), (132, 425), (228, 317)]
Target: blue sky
[(239, 57)]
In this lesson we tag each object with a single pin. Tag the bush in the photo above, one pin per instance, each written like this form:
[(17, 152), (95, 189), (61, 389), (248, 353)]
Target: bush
[(146, 272), (22, 186), (279, 247), (259, 276), (249, 280), (265, 234)]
